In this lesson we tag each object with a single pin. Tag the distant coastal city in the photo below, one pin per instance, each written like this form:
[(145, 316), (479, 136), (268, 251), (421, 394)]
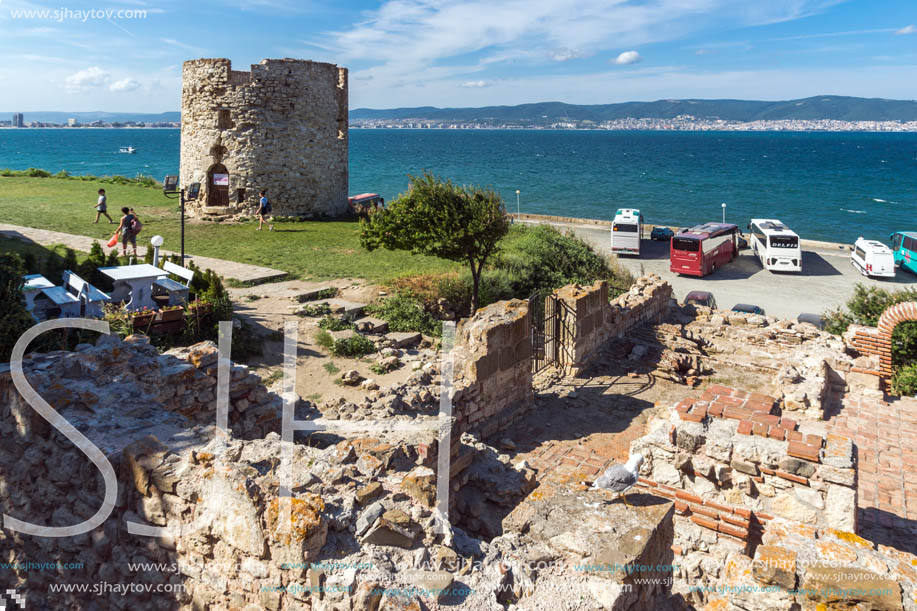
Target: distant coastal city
[(18, 121), (679, 123)]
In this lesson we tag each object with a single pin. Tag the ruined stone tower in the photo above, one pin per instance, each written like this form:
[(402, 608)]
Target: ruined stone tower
[(281, 127)]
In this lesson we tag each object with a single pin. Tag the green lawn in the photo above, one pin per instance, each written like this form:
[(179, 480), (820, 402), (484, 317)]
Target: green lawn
[(308, 250)]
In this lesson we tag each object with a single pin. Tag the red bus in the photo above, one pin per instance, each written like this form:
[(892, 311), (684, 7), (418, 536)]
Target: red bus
[(699, 250)]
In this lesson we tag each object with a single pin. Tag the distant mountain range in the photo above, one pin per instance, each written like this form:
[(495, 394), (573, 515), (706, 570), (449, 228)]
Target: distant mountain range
[(545, 113), (89, 117), (819, 107)]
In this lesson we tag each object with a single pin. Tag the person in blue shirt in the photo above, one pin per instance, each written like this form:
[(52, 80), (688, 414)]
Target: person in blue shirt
[(264, 210)]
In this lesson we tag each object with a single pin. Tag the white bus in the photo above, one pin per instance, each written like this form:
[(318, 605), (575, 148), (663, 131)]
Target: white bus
[(626, 231), (776, 245)]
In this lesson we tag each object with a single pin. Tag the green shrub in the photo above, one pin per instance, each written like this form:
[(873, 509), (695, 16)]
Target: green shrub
[(331, 368), (354, 346), (904, 382), (14, 319), (866, 306), (330, 323), (405, 312), (324, 339), (382, 368), (316, 310)]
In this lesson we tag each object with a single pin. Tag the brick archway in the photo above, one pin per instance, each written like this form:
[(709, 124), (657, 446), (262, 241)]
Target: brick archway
[(890, 318)]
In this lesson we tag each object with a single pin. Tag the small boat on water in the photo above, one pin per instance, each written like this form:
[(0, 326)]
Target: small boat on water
[(127, 149)]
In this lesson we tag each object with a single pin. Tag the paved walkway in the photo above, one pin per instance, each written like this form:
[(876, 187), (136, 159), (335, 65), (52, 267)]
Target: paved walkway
[(886, 439), (242, 272)]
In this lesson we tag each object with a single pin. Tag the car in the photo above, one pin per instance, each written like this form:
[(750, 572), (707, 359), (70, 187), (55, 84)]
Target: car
[(663, 234), (701, 298), (747, 308), (812, 319)]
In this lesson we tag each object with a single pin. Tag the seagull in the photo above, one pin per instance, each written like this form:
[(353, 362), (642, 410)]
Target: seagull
[(620, 479)]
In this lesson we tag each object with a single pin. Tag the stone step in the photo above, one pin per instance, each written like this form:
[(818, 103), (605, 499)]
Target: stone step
[(216, 210), (312, 294), (343, 334), (403, 339), (349, 310), (368, 324)]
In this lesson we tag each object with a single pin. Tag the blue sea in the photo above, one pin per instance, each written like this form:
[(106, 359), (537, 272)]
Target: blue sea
[(826, 186)]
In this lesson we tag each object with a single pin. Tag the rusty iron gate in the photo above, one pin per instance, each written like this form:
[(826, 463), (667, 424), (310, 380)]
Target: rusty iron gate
[(545, 312)]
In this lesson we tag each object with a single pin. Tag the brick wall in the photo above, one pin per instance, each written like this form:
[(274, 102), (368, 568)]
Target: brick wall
[(493, 370), (732, 463), (590, 319), (877, 341)]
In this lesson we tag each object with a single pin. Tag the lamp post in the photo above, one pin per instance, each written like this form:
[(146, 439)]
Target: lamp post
[(170, 189), (156, 241), (517, 203), (724, 212)]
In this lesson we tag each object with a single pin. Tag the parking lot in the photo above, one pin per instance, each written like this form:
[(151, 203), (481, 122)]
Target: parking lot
[(827, 279)]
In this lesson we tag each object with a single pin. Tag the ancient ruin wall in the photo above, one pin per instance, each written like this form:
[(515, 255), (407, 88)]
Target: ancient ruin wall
[(493, 370), (590, 320), (281, 127)]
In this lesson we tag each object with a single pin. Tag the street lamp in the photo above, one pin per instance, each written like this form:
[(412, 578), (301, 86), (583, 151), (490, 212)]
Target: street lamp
[(170, 189), (724, 212), (517, 203), (156, 241)]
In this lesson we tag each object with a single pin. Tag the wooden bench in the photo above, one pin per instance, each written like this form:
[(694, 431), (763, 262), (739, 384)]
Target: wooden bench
[(178, 292), (91, 298)]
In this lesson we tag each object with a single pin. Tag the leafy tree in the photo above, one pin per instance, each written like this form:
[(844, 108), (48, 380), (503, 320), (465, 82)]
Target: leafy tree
[(438, 218), (14, 319)]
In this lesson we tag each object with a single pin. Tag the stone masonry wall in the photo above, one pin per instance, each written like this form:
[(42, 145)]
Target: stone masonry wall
[(590, 319), (731, 464), (282, 126), (493, 370)]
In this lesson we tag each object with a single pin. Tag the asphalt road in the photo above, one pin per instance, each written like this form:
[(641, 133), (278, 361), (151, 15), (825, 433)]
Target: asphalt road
[(827, 279)]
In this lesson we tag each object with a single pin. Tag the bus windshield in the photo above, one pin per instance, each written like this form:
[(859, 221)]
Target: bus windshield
[(784, 241), (627, 227), (686, 244)]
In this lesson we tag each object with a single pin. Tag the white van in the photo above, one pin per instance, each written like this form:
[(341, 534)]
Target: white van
[(873, 258)]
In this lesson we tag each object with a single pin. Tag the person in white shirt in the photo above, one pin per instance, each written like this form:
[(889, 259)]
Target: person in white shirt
[(102, 207)]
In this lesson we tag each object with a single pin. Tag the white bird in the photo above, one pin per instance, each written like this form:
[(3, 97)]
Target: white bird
[(620, 478)]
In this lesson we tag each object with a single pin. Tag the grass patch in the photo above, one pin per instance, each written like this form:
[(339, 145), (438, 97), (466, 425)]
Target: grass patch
[(314, 397), (312, 249), (331, 368), (275, 376), (324, 339)]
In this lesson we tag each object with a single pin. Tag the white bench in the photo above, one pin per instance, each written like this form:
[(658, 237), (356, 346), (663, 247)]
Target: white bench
[(90, 297), (178, 292), (55, 302)]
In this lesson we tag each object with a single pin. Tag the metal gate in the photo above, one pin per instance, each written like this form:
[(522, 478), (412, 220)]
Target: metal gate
[(544, 309)]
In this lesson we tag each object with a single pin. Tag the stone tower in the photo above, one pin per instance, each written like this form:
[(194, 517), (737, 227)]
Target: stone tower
[(281, 127)]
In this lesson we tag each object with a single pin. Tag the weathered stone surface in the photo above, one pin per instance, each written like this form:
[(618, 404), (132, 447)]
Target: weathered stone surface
[(435, 583), (394, 528), (841, 507), (830, 586), (420, 484), (369, 493), (222, 108), (775, 565), (788, 506), (803, 468)]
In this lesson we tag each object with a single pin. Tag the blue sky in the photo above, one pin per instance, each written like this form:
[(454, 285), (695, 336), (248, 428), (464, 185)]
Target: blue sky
[(465, 52)]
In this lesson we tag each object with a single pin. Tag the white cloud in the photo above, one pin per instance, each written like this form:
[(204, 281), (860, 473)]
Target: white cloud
[(126, 84), (628, 57), (475, 84), (564, 54), (908, 29), (86, 80), (411, 41)]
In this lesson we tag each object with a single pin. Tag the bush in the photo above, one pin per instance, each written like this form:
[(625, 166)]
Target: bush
[(904, 382), (866, 306), (355, 346), (330, 323), (314, 311), (324, 339), (405, 312), (14, 319)]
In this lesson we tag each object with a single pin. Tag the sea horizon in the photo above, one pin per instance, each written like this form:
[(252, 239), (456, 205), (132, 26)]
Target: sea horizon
[(864, 183)]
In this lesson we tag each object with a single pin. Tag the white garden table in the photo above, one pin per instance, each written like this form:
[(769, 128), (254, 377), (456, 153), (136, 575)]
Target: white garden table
[(134, 281)]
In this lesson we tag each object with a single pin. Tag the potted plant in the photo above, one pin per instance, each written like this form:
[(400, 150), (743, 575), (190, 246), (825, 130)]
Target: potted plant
[(143, 318), (200, 308), (171, 313)]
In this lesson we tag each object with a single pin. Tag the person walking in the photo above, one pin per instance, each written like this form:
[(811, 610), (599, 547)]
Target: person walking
[(102, 207), (126, 230), (264, 210)]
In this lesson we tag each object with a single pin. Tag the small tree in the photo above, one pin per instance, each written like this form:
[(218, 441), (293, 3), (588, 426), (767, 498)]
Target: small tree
[(14, 319), (437, 218)]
